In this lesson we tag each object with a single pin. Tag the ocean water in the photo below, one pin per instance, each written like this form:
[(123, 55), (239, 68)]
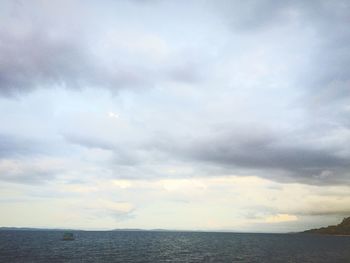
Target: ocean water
[(145, 246)]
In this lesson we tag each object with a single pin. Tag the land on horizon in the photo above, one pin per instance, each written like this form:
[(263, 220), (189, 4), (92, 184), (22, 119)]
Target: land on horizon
[(341, 229), (138, 229)]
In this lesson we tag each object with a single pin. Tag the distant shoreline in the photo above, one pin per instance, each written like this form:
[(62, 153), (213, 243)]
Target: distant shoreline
[(342, 229), (137, 230)]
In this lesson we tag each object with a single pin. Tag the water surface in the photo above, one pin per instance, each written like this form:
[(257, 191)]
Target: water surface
[(146, 246)]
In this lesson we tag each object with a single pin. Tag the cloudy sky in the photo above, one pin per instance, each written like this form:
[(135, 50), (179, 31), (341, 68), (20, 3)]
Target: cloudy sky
[(211, 114)]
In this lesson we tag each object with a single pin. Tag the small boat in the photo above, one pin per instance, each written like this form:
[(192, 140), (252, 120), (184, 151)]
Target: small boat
[(68, 236)]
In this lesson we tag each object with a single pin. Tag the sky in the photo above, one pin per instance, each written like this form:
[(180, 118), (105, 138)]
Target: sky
[(212, 115)]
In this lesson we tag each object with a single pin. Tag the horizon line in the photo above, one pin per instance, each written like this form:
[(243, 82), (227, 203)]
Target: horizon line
[(143, 229)]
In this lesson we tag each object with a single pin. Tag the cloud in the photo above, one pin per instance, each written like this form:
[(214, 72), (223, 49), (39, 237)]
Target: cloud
[(17, 146), (37, 60), (34, 60), (322, 24), (204, 90), (280, 218), (341, 211), (30, 171), (89, 142), (45, 52), (239, 150), (275, 156), (253, 15), (120, 211)]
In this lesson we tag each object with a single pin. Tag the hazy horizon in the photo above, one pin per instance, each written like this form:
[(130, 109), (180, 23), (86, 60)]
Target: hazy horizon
[(232, 231), (192, 115)]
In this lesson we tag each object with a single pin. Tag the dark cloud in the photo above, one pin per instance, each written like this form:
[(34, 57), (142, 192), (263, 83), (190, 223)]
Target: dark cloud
[(324, 211), (274, 158), (42, 51), (284, 157), (36, 60)]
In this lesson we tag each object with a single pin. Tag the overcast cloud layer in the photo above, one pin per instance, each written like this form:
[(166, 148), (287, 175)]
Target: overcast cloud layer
[(138, 92)]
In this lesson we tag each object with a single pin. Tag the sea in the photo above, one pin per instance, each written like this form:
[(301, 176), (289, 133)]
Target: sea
[(164, 246)]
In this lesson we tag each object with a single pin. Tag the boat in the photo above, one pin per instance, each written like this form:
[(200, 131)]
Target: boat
[(68, 236)]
